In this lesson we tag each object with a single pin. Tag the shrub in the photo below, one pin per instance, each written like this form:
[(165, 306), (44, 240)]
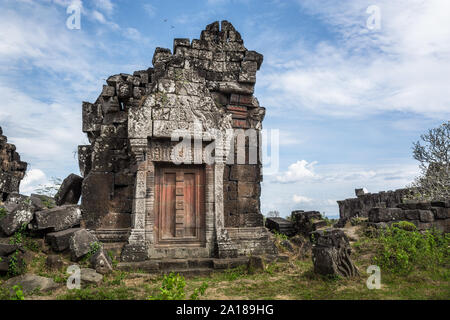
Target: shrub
[(199, 291), (401, 250), (280, 236), (405, 225), (16, 265), (5, 293), (94, 247), (173, 288)]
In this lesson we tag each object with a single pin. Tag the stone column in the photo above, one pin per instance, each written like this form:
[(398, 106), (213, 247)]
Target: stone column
[(136, 249), (225, 247), (150, 203)]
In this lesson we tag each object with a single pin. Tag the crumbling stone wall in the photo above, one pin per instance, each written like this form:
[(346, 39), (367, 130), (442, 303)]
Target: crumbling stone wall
[(12, 170), (424, 215), (360, 206), (209, 80)]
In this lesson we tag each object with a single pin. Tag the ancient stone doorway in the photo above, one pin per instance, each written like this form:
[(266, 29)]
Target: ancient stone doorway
[(180, 205)]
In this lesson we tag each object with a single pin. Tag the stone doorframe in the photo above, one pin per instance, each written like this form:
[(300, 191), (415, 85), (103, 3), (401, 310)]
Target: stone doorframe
[(141, 239)]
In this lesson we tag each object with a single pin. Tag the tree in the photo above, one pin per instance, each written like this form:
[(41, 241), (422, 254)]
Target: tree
[(434, 181), (273, 214)]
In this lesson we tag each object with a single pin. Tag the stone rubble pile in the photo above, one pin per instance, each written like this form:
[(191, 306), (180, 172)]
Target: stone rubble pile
[(58, 225)]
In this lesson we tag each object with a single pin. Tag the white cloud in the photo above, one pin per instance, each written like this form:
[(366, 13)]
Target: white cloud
[(301, 199), (105, 5), (32, 180), (403, 67), (297, 171)]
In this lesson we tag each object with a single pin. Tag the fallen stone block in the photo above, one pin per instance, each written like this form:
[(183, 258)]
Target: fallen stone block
[(7, 249), (42, 202), (21, 215), (304, 221), (280, 225), (331, 253), (101, 262), (70, 190), (57, 219), (30, 283), (80, 244), (14, 199), (60, 241), (90, 276)]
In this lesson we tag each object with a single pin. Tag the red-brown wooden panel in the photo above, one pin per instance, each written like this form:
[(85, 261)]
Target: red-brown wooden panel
[(189, 205), (167, 204), (180, 206)]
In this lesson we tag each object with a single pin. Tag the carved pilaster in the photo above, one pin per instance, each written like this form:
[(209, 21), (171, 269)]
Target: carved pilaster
[(136, 249)]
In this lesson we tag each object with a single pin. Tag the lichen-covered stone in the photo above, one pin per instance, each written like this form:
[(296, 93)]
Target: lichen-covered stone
[(57, 219), (101, 262), (20, 216), (81, 244), (60, 241)]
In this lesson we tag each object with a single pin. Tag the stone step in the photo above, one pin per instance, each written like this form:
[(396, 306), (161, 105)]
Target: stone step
[(194, 272), (200, 265)]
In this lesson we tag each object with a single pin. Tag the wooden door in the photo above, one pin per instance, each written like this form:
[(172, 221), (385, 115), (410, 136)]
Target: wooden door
[(180, 205)]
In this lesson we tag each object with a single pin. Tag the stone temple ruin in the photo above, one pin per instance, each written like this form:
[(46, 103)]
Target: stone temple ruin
[(12, 170), (133, 193)]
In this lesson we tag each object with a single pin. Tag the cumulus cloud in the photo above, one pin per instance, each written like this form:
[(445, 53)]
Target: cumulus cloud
[(32, 180), (297, 171), (301, 199)]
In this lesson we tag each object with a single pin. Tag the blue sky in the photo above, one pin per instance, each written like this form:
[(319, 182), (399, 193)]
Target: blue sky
[(348, 101)]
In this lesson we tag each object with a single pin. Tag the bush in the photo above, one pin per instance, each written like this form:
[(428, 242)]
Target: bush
[(173, 286), (405, 225), (5, 293), (401, 250), (280, 236)]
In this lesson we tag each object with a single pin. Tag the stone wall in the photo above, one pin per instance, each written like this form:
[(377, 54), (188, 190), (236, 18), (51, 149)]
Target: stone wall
[(425, 215), (12, 170), (360, 206)]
